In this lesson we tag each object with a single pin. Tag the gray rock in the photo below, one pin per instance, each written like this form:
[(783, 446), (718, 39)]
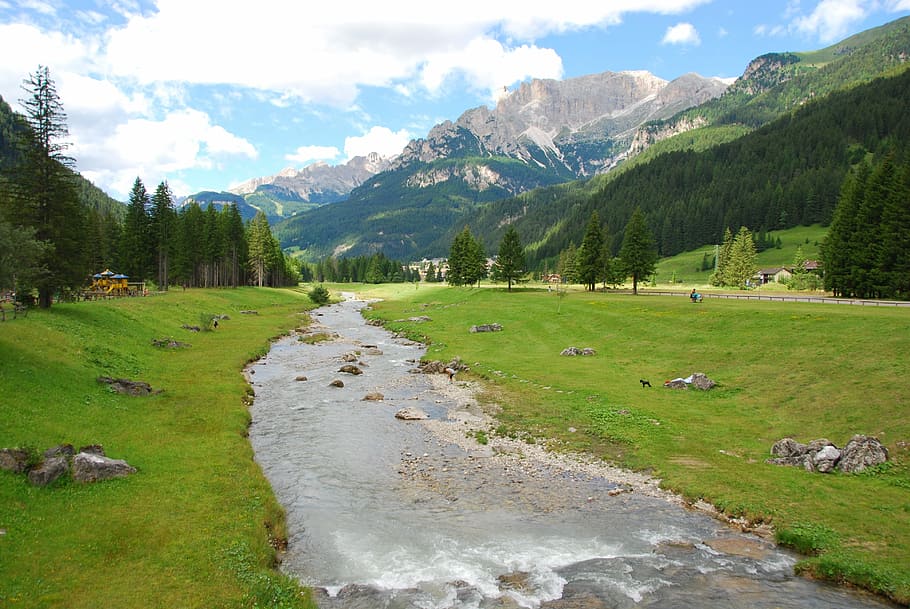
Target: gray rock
[(48, 471), (93, 449), (89, 467), (487, 328), (61, 450), (788, 447), (701, 381), (128, 387), (825, 459), (862, 452), (14, 459), (411, 413)]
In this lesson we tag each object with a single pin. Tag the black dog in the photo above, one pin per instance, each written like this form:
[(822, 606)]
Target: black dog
[(644, 383)]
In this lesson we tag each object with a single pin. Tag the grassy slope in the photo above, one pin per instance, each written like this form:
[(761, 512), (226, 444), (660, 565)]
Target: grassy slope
[(190, 528), (686, 266), (784, 369)]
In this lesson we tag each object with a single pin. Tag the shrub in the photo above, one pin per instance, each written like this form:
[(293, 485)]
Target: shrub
[(319, 295)]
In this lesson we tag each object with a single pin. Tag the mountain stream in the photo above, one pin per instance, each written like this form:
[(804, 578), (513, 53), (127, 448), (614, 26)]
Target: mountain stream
[(389, 513)]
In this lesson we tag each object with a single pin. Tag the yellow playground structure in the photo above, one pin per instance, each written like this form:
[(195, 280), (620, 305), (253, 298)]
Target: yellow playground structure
[(108, 283)]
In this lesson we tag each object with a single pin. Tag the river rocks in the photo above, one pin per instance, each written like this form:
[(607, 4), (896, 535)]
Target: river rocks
[(128, 387), (486, 328), (300, 378), (438, 367), (336, 383), (411, 413), (373, 396), (89, 464), (823, 456), (573, 351), (350, 369)]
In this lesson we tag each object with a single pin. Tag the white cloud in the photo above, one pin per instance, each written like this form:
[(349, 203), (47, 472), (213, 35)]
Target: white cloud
[(153, 149), (383, 140), (682, 33), (832, 19), (307, 154)]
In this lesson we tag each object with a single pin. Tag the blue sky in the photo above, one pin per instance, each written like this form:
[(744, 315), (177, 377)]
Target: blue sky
[(209, 93)]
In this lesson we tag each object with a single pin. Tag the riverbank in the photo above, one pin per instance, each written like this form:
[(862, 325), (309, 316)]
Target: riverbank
[(194, 526), (796, 370)]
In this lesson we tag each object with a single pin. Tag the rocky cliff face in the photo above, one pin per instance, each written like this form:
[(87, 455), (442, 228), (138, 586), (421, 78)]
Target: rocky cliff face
[(320, 179), (576, 125)]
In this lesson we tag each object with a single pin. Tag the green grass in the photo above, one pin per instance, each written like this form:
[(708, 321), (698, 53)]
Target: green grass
[(784, 369), (195, 526)]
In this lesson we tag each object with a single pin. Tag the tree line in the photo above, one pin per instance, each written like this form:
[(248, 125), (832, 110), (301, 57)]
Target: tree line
[(52, 241), (866, 253)]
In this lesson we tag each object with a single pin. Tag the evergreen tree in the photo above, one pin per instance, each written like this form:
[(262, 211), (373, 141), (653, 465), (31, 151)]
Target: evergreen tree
[(236, 246), (837, 249), (467, 262), (21, 257), (723, 258), (741, 266), (261, 246), (510, 263), (638, 252), (161, 231), (894, 255), (431, 273), (135, 241), (591, 254), (568, 264), (45, 196)]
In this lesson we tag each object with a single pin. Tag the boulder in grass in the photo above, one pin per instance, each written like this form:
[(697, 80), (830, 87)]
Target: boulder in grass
[(48, 471), (862, 452), (89, 467), (14, 459), (486, 328)]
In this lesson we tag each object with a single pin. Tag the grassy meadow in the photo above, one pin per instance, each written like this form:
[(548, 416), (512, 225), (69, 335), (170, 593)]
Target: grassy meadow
[(195, 526), (807, 371)]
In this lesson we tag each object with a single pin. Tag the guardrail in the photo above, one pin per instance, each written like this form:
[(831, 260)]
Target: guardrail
[(781, 298)]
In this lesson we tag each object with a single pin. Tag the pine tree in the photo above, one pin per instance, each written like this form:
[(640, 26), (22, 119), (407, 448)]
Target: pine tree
[(161, 231), (723, 258), (591, 254), (45, 193), (467, 262), (638, 252), (837, 249), (261, 248), (135, 241), (741, 265), (510, 262)]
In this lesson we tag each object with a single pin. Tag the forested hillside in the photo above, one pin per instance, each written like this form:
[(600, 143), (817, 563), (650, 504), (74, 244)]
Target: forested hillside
[(786, 174)]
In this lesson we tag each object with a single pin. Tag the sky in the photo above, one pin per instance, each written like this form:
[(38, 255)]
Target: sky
[(205, 94)]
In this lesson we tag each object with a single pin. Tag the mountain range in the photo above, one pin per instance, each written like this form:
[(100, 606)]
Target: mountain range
[(479, 169)]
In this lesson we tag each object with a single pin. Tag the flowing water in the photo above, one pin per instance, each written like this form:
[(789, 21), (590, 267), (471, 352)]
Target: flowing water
[(385, 513)]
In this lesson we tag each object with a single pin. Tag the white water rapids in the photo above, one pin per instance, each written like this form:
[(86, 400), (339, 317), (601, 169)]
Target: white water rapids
[(385, 513)]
